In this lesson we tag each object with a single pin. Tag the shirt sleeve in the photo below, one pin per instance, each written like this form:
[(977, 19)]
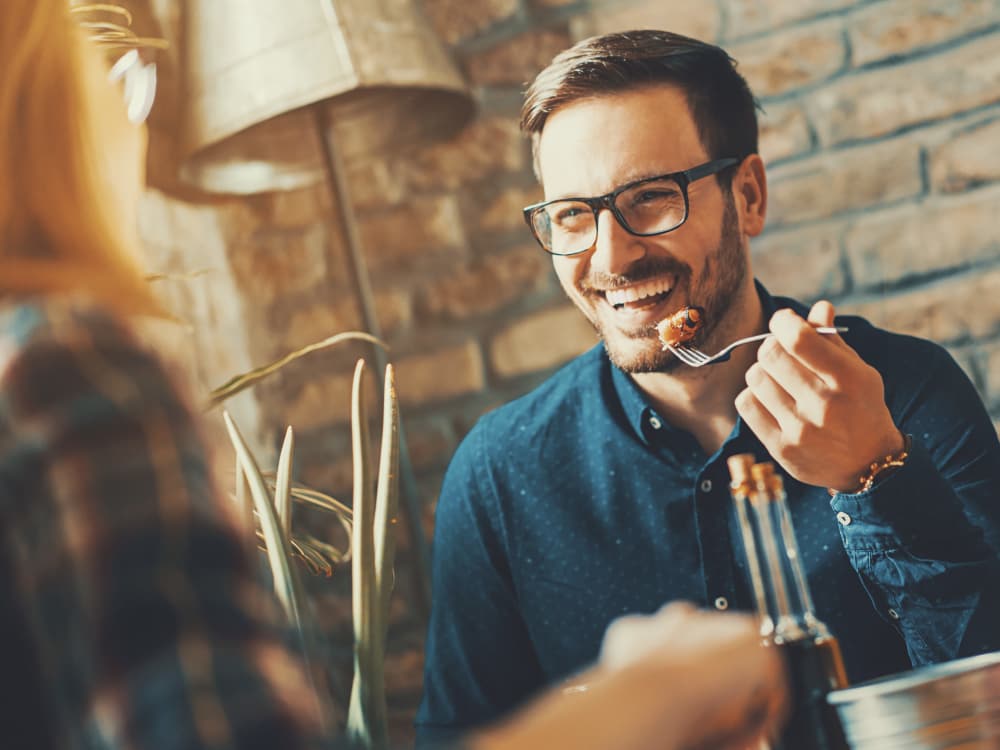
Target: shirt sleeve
[(925, 538), (135, 582), (480, 662)]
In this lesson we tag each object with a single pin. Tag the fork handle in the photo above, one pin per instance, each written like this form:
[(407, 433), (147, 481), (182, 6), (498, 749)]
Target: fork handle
[(762, 336)]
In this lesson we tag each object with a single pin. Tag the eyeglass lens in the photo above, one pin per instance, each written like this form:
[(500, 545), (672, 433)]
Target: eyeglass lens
[(567, 226)]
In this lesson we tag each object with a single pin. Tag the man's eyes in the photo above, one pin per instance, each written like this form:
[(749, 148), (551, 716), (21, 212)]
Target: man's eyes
[(569, 214)]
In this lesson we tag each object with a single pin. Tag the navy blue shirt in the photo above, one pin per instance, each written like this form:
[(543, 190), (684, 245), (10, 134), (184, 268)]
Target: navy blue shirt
[(578, 503)]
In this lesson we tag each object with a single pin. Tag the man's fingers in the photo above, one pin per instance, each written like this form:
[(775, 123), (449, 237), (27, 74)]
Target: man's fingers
[(824, 354), (760, 421), (787, 370), (821, 314), (773, 395)]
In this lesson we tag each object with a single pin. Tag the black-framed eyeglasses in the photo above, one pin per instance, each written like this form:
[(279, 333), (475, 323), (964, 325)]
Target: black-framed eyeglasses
[(648, 207)]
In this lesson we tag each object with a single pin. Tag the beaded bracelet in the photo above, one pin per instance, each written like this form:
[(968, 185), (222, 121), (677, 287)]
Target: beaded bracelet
[(891, 461)]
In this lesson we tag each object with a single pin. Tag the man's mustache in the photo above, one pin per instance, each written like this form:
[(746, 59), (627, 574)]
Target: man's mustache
[(641, 270)]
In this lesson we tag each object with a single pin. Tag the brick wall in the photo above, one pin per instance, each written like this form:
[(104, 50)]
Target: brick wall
[(882, 137)]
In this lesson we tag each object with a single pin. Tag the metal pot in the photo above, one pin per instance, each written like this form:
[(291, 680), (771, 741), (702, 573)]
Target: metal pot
[(949, 706)]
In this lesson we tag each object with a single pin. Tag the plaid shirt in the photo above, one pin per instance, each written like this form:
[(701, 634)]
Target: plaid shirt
[(130, 614)]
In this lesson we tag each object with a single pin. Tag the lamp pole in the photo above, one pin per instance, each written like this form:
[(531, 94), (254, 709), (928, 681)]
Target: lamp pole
[(334, 166)]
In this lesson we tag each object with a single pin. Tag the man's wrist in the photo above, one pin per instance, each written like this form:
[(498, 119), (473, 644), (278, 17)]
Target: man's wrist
[(886, 463)]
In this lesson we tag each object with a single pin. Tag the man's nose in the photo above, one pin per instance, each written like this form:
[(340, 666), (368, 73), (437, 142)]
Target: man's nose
[(615, 249)]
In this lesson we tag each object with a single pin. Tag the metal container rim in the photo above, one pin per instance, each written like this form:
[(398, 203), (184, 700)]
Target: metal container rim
[(903, 681)]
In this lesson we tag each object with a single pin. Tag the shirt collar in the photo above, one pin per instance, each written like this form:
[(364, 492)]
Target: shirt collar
[(636, 406)]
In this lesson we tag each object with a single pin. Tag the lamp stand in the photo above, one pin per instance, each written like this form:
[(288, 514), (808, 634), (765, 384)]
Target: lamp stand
[(358, 269)]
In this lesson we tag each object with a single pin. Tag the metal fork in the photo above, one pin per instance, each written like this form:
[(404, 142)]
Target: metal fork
[(689, 355)]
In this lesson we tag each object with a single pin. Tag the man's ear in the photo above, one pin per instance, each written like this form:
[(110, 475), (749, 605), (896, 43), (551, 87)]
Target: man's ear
[(749, 188)]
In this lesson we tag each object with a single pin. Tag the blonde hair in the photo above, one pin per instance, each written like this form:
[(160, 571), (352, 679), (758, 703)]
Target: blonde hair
[(55, 234)]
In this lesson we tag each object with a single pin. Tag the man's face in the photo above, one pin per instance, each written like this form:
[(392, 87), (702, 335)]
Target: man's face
[(626, 284)]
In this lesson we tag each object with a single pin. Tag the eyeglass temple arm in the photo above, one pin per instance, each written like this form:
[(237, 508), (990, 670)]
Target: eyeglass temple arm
[(711, 168)]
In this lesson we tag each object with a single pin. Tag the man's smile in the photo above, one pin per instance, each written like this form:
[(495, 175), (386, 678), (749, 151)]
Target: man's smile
[(639, 305)]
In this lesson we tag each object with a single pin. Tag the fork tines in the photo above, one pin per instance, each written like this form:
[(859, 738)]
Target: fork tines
[(689, 356)]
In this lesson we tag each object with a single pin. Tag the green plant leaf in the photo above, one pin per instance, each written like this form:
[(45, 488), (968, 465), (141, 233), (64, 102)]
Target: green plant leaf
[(283, 484), (363, 592), (240, 383), (276, 542)]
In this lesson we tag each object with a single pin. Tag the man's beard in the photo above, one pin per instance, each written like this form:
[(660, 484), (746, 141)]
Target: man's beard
[(722, 276)]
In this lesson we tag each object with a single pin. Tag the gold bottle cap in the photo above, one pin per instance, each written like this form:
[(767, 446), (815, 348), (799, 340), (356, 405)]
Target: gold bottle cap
[(766, 478), (739, 467)]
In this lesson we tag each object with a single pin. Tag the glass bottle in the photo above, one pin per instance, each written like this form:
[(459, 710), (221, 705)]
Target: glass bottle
[(789, 622)]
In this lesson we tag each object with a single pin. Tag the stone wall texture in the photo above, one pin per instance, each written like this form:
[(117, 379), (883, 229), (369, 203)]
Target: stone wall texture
[(881, 131)]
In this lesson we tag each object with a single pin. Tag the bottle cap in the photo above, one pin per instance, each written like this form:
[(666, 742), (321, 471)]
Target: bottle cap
[(739, 468)]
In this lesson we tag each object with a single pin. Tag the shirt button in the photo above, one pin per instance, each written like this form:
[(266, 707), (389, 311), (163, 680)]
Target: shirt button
[(721, 603), (845, 520), (706, 485), (893, 614), (655, 423)]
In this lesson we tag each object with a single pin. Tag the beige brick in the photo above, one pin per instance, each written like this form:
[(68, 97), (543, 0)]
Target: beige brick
[(694, 18), (518, 60), (278, 264), (455, 20), (374, 184), (949, 310), (404, 671), (540, 341), (394, 308), (752, 16), (486, 148), (439, 375), (156, 224), (503, 211), (829, 184), (410, 232), (992, 372), (788, 60), (884, 100), (428, 445), (320, 321), (784, 132), (326, 400), (332, 474), (485, 285), (804, 264), (901, 27), (941, 234), (292, 209), (966, 357), (970, 157)]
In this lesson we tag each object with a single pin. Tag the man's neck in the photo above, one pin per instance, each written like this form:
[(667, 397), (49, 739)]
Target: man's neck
[(702, 400)]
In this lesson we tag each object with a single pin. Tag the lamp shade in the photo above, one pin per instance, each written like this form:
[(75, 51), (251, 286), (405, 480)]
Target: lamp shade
[(256, 69)]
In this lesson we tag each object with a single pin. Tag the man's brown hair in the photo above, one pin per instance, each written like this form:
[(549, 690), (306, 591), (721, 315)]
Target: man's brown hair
[(721, 103)]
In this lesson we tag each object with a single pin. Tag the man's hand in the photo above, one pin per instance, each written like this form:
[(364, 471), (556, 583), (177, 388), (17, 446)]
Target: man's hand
[(816, 406)]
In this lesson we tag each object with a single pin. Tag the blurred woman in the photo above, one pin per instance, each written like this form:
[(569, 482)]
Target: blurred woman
[(130, 616), (129, 611)]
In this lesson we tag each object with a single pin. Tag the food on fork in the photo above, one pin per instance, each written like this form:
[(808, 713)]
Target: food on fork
[(680, 327)]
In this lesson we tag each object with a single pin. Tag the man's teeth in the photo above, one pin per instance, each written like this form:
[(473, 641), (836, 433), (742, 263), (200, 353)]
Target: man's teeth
[(638, 292)]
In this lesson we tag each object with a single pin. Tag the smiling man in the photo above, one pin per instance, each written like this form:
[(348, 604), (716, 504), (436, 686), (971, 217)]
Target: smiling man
[(605, 490)]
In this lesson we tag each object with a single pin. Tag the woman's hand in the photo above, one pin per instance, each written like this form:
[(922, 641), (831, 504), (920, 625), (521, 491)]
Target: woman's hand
[(679, 679)]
